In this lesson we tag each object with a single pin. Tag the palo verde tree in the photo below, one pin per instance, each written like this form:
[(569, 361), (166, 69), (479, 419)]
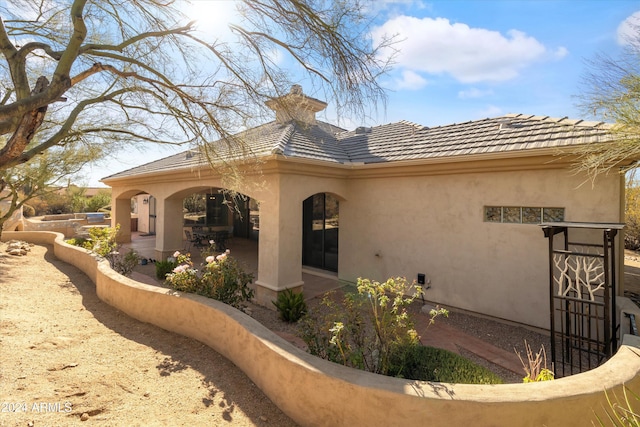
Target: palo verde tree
[(111, 72), (43, 174)]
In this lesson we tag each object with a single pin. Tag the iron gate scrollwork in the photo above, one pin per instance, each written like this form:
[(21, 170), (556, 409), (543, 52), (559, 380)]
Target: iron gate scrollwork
[(582, 289)]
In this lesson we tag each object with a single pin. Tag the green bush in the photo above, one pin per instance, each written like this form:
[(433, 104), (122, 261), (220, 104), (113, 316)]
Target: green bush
[(632, 218), (77, 241), (102, 242), (222, 279), (422, 363), (164, 267), (364, 329), (291, 306)]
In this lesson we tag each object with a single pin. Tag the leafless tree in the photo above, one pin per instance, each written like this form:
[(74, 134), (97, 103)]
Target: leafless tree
[(111, 72)]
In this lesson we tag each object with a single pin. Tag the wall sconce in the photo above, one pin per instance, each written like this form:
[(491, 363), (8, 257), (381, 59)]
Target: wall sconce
[(145, 201)]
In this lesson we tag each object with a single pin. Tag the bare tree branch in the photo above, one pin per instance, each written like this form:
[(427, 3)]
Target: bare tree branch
[(137, 71)]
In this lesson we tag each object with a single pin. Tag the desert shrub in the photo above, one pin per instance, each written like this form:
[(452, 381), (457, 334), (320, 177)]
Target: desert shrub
[(621, 412), (632, 218), (164, 267), (28, 210), (124, 264), (291, 305), (422, 363), (535, 367), (102, 242), (222, 279), (57, 206), (77, 241), (100, 200), (366, 328), (39, 205)]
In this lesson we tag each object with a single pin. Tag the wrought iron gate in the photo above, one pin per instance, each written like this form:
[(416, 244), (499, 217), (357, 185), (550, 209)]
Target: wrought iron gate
[(582, 289)]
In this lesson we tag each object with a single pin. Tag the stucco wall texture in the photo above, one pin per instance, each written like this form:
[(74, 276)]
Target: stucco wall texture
[(314, 392), (402, 226), (405, 219)]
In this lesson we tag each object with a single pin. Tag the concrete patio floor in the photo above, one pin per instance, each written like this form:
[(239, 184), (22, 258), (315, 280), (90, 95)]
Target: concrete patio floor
[(243, 250)]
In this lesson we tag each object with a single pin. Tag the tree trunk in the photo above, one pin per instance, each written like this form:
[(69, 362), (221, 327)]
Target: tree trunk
[(27, 128)]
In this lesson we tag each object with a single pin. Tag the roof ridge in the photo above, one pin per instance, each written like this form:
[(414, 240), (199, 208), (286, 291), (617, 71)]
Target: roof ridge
[(564, 121), (416, 125), (284, 137)]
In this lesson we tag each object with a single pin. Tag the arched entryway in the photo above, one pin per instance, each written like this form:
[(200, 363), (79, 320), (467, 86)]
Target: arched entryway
[(217, 208), (320, 227)]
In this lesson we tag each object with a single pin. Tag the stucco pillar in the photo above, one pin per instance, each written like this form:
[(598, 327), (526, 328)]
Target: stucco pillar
[(121, 214), (280, 249), (169, 222)]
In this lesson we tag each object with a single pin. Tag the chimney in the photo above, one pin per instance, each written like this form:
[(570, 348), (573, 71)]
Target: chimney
[(296, 106)]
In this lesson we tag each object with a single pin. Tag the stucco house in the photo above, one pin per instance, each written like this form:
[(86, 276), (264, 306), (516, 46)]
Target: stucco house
[(459, 205)]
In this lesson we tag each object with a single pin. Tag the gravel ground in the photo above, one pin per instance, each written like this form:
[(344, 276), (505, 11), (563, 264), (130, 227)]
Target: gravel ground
[(507, 336)]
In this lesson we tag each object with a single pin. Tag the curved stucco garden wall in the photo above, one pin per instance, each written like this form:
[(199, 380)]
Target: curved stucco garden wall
[(316, 392)]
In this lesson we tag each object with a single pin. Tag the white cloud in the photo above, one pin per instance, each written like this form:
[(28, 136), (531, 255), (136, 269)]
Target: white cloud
[(629, 29), (470, 55), (474, 93), (410, 80), (560, 52)]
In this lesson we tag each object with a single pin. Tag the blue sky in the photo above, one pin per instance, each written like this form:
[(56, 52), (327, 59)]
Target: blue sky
[(464, 60)]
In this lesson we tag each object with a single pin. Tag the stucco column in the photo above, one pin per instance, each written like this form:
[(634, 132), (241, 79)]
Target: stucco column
[(169, 222), (280, 249), (121, 214)]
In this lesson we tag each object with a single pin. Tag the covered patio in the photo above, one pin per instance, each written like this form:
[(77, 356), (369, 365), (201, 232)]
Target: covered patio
[(456, 206), (316, 283)]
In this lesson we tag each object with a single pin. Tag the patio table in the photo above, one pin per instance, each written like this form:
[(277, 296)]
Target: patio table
[(219, 237)]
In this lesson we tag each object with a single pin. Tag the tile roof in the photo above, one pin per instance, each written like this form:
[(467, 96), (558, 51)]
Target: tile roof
[(391, 142)]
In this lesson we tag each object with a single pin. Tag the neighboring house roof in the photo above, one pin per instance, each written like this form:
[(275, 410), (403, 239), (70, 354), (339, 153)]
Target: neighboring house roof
[(392, 142)]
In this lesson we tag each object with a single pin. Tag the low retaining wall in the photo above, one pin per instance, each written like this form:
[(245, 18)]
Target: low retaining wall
[(315, 392), (69, 224)]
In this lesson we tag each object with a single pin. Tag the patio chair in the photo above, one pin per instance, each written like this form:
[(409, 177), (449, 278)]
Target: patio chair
[(229, 236), (191, 239)]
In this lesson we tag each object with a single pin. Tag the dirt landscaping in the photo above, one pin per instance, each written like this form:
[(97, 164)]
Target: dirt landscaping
[(65, 356)]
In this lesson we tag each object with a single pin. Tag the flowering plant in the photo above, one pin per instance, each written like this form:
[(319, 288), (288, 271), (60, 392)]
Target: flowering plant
[(222, 278), (102, 241)]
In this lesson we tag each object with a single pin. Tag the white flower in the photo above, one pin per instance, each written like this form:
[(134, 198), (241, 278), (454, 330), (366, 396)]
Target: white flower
[(176, 254), (210, 259), (221, 257), (211, 242), (180, 268)]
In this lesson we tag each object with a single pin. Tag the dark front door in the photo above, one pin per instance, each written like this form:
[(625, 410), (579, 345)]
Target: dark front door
[(241, 221), (320, 232), (152, 215)]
